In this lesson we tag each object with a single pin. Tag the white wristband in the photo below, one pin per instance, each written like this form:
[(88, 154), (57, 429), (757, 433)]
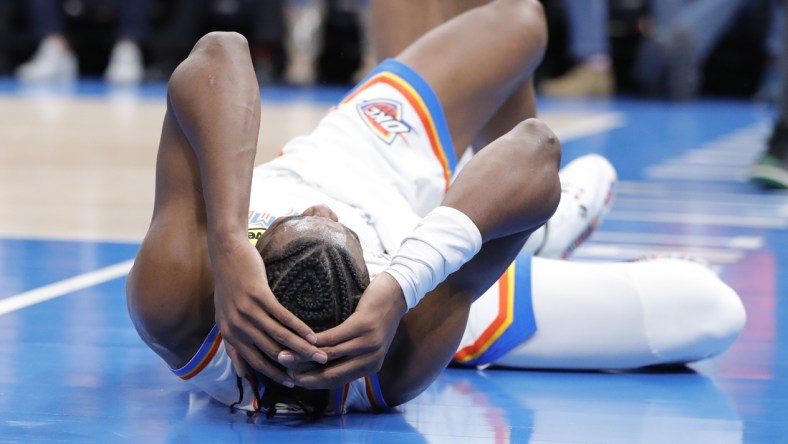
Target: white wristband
[(442, 242)]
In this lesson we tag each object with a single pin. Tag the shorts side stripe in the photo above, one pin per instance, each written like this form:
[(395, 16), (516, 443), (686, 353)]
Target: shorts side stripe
[(203, 356), (469, 354), (345, 391), (374, 394), (520, 323)]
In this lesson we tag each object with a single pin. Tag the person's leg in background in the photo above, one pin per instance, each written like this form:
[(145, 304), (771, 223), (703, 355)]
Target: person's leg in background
[(267, 39), (54, 60), (771, 171), (126, 65), (304, 20), (670, 61), (589, 46)]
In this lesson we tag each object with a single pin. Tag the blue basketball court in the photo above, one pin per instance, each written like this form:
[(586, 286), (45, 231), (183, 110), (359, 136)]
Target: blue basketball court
[(72, 368)]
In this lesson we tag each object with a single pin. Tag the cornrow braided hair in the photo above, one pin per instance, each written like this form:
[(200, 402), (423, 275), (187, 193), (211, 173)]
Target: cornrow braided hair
[(318, 281)]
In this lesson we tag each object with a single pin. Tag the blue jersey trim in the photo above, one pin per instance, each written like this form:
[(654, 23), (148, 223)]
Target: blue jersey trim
[(524, 323)]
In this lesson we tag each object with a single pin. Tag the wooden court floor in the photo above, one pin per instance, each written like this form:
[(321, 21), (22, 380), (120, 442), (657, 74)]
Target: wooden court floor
[(76, 188)]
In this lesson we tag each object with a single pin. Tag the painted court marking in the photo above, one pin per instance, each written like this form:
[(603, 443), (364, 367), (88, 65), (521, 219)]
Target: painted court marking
[(64, 287)]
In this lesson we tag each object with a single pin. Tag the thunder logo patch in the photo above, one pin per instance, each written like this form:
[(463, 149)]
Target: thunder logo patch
[(384, 118), (259, 222)]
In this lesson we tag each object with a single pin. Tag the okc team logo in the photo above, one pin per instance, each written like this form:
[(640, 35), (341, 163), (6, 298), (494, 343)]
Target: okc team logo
[(384, 118)]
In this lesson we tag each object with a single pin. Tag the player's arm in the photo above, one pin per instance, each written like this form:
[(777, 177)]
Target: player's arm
[(197, 240), (508, 190)]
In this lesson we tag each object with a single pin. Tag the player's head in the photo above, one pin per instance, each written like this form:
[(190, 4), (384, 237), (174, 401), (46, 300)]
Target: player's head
[(316, 269)]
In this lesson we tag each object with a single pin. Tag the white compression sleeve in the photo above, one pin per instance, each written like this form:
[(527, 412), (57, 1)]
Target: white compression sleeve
[(626, 315), (442, 242)]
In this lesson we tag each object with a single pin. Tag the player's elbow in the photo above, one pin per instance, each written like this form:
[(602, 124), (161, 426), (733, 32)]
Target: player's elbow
[(547, 144), (214, 52), (540, 157), (167, 311), (219, 42)]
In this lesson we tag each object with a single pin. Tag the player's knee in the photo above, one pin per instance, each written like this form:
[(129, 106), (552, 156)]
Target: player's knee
[(529, 16), (529, 11)]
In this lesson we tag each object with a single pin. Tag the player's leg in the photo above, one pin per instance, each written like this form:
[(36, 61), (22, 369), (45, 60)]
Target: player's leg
[(621, 315), (480, 62), (394, 28), (394, 25), (588, 183)]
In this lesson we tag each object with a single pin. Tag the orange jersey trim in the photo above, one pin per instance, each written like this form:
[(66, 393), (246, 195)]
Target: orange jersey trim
[(404, 88), (374, 394), (214, 347), (499, 325)]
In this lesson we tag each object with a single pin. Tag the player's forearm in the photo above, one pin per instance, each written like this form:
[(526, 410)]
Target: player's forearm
[(511, 186), (502, 195), (215, 98), (509, 189)]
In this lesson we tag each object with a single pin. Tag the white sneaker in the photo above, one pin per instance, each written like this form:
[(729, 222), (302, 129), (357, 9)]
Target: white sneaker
[(125, 64), (588, 186), (52, 62)]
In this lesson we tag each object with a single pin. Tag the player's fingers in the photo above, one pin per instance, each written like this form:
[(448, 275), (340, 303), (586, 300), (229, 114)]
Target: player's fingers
[(343, 332), (291, 360), (247, 333), (349, 349), (272, 337), (348, 361), (257, 360), (304, 339), (335, 375)]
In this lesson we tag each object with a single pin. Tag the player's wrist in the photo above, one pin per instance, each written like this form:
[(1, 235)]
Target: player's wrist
[(222, 242), (398, 302), (444, 240)]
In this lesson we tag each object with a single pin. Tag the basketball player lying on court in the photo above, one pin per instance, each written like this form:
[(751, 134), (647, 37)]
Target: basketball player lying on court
[(371, 273)]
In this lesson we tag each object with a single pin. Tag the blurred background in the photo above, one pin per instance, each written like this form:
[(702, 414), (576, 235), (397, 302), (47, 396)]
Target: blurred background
[(684, 97), (731, 52)]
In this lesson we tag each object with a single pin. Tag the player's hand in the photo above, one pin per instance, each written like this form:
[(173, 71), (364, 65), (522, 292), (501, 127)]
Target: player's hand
[(255, 325), (357, 347)]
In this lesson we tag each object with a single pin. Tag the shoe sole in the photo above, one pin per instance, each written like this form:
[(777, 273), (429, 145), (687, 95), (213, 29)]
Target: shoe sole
[(769, 176)]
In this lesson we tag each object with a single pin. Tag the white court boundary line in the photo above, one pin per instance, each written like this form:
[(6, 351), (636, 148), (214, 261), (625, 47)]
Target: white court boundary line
[(64, 287)]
